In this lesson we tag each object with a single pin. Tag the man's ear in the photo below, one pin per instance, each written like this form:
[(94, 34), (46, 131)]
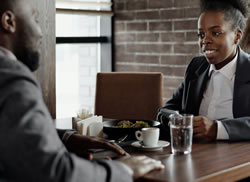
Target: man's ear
[(8, 21), (238, 36)]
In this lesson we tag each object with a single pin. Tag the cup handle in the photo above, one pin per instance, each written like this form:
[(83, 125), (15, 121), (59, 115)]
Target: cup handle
[(138, 135)]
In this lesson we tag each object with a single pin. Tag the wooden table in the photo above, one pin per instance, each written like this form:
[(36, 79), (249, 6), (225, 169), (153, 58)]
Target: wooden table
[(210, 162), (217, 161)]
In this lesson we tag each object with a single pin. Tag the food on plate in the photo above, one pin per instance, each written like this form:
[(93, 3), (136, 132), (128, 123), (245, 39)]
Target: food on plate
[(129, 124)]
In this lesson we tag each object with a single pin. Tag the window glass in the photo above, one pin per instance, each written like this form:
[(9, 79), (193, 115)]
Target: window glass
[(78, 64), (84, 4), (76, 68), (77, 25)]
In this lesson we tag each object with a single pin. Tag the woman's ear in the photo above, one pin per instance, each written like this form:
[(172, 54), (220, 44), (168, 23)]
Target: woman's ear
[(238, 36), (8, 21)]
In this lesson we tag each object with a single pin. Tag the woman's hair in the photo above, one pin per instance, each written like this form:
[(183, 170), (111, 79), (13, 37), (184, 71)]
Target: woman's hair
[(245, 41), (235, 10)]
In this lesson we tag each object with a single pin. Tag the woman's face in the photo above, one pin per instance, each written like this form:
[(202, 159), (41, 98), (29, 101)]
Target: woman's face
[(218, 42)]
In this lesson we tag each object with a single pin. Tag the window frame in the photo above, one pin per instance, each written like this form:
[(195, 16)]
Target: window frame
[(106, 38)]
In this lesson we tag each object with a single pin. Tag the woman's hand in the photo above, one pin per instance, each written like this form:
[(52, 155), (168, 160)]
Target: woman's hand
[(204, 128)]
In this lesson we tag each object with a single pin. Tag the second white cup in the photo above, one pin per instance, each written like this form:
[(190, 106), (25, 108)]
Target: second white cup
[(149, 136)]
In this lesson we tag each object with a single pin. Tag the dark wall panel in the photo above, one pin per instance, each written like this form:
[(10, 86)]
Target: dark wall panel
[(46, 72)]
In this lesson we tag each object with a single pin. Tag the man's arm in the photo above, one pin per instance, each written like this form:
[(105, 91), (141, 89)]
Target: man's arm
[(64, 134), (30, 147)]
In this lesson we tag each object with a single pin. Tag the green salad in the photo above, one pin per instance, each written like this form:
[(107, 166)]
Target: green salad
[(129, 124)]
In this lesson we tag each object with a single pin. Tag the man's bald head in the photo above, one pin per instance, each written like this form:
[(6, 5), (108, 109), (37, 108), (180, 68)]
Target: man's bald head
[(12, 8), (20, 32), (8, 5)]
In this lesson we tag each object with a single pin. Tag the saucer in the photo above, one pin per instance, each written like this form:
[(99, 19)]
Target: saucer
[(159, 145)]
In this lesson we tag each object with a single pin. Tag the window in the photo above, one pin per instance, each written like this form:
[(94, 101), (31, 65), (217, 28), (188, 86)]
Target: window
[(83, 31)]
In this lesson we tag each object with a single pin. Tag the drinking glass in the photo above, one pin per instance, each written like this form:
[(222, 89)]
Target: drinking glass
[(181, 132)]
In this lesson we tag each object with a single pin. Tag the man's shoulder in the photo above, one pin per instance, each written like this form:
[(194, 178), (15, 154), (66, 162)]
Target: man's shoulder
[(15, 76), (14, 68), (7, 63)]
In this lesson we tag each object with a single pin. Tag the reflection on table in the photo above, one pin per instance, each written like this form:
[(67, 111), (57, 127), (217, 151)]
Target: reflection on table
[(214, 161)]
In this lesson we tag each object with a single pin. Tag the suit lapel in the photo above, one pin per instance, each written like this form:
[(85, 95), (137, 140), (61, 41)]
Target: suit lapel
[(241, 98), (196, 89)]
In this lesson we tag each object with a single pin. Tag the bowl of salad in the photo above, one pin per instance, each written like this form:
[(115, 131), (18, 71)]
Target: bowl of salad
[(115, 129)]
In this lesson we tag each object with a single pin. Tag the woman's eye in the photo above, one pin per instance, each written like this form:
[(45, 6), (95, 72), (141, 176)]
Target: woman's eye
[(216, 33), (201, 35)]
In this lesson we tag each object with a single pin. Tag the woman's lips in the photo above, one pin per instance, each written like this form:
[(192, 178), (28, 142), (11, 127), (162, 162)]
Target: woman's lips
[(209, 53)]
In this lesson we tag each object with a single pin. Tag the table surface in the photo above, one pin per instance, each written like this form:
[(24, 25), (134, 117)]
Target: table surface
[(214, 161), (217, 161)]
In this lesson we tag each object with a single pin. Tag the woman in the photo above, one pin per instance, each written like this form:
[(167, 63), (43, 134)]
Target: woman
[(216, 86)]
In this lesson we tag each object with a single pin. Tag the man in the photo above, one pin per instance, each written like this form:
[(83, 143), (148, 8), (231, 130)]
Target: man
[(30, 147)]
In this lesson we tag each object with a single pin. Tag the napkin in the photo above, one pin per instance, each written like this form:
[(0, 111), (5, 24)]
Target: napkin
[(91, 126)]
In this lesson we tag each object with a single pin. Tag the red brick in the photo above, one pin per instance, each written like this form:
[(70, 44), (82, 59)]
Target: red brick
[(186, 48), (180, 13), (175, 60), (120, 49), (167, 70), (124, 58), (160, 26), (148, 15), (149, 48), (137, 26), (136, 5), (172, 82), (192, 12), (160, 4), (192, 36), (118, 6), (132, 68), (168, 92), (166, 48), (119, 27), (185, 25), (159, 22), (148, 37), (173, 37), (125, 37), (143, 48), (146, 68), (187, 3), (147, 59), (172, 14), (124, 16)]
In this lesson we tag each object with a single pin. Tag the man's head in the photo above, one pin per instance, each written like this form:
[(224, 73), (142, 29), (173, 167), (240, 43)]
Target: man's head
[(20, 32)]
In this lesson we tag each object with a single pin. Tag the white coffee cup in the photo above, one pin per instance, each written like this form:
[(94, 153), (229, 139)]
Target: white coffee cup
[(149, 136)]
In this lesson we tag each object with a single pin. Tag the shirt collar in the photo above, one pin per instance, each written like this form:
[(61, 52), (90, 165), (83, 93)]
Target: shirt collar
[(7, 53), (228, 70)]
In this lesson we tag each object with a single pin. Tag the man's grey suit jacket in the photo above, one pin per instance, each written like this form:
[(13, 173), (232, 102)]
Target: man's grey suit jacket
[(30, 148), (187, 98)]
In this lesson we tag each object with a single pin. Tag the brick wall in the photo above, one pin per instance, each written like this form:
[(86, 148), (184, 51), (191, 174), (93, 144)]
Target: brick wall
[(156, 35)]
